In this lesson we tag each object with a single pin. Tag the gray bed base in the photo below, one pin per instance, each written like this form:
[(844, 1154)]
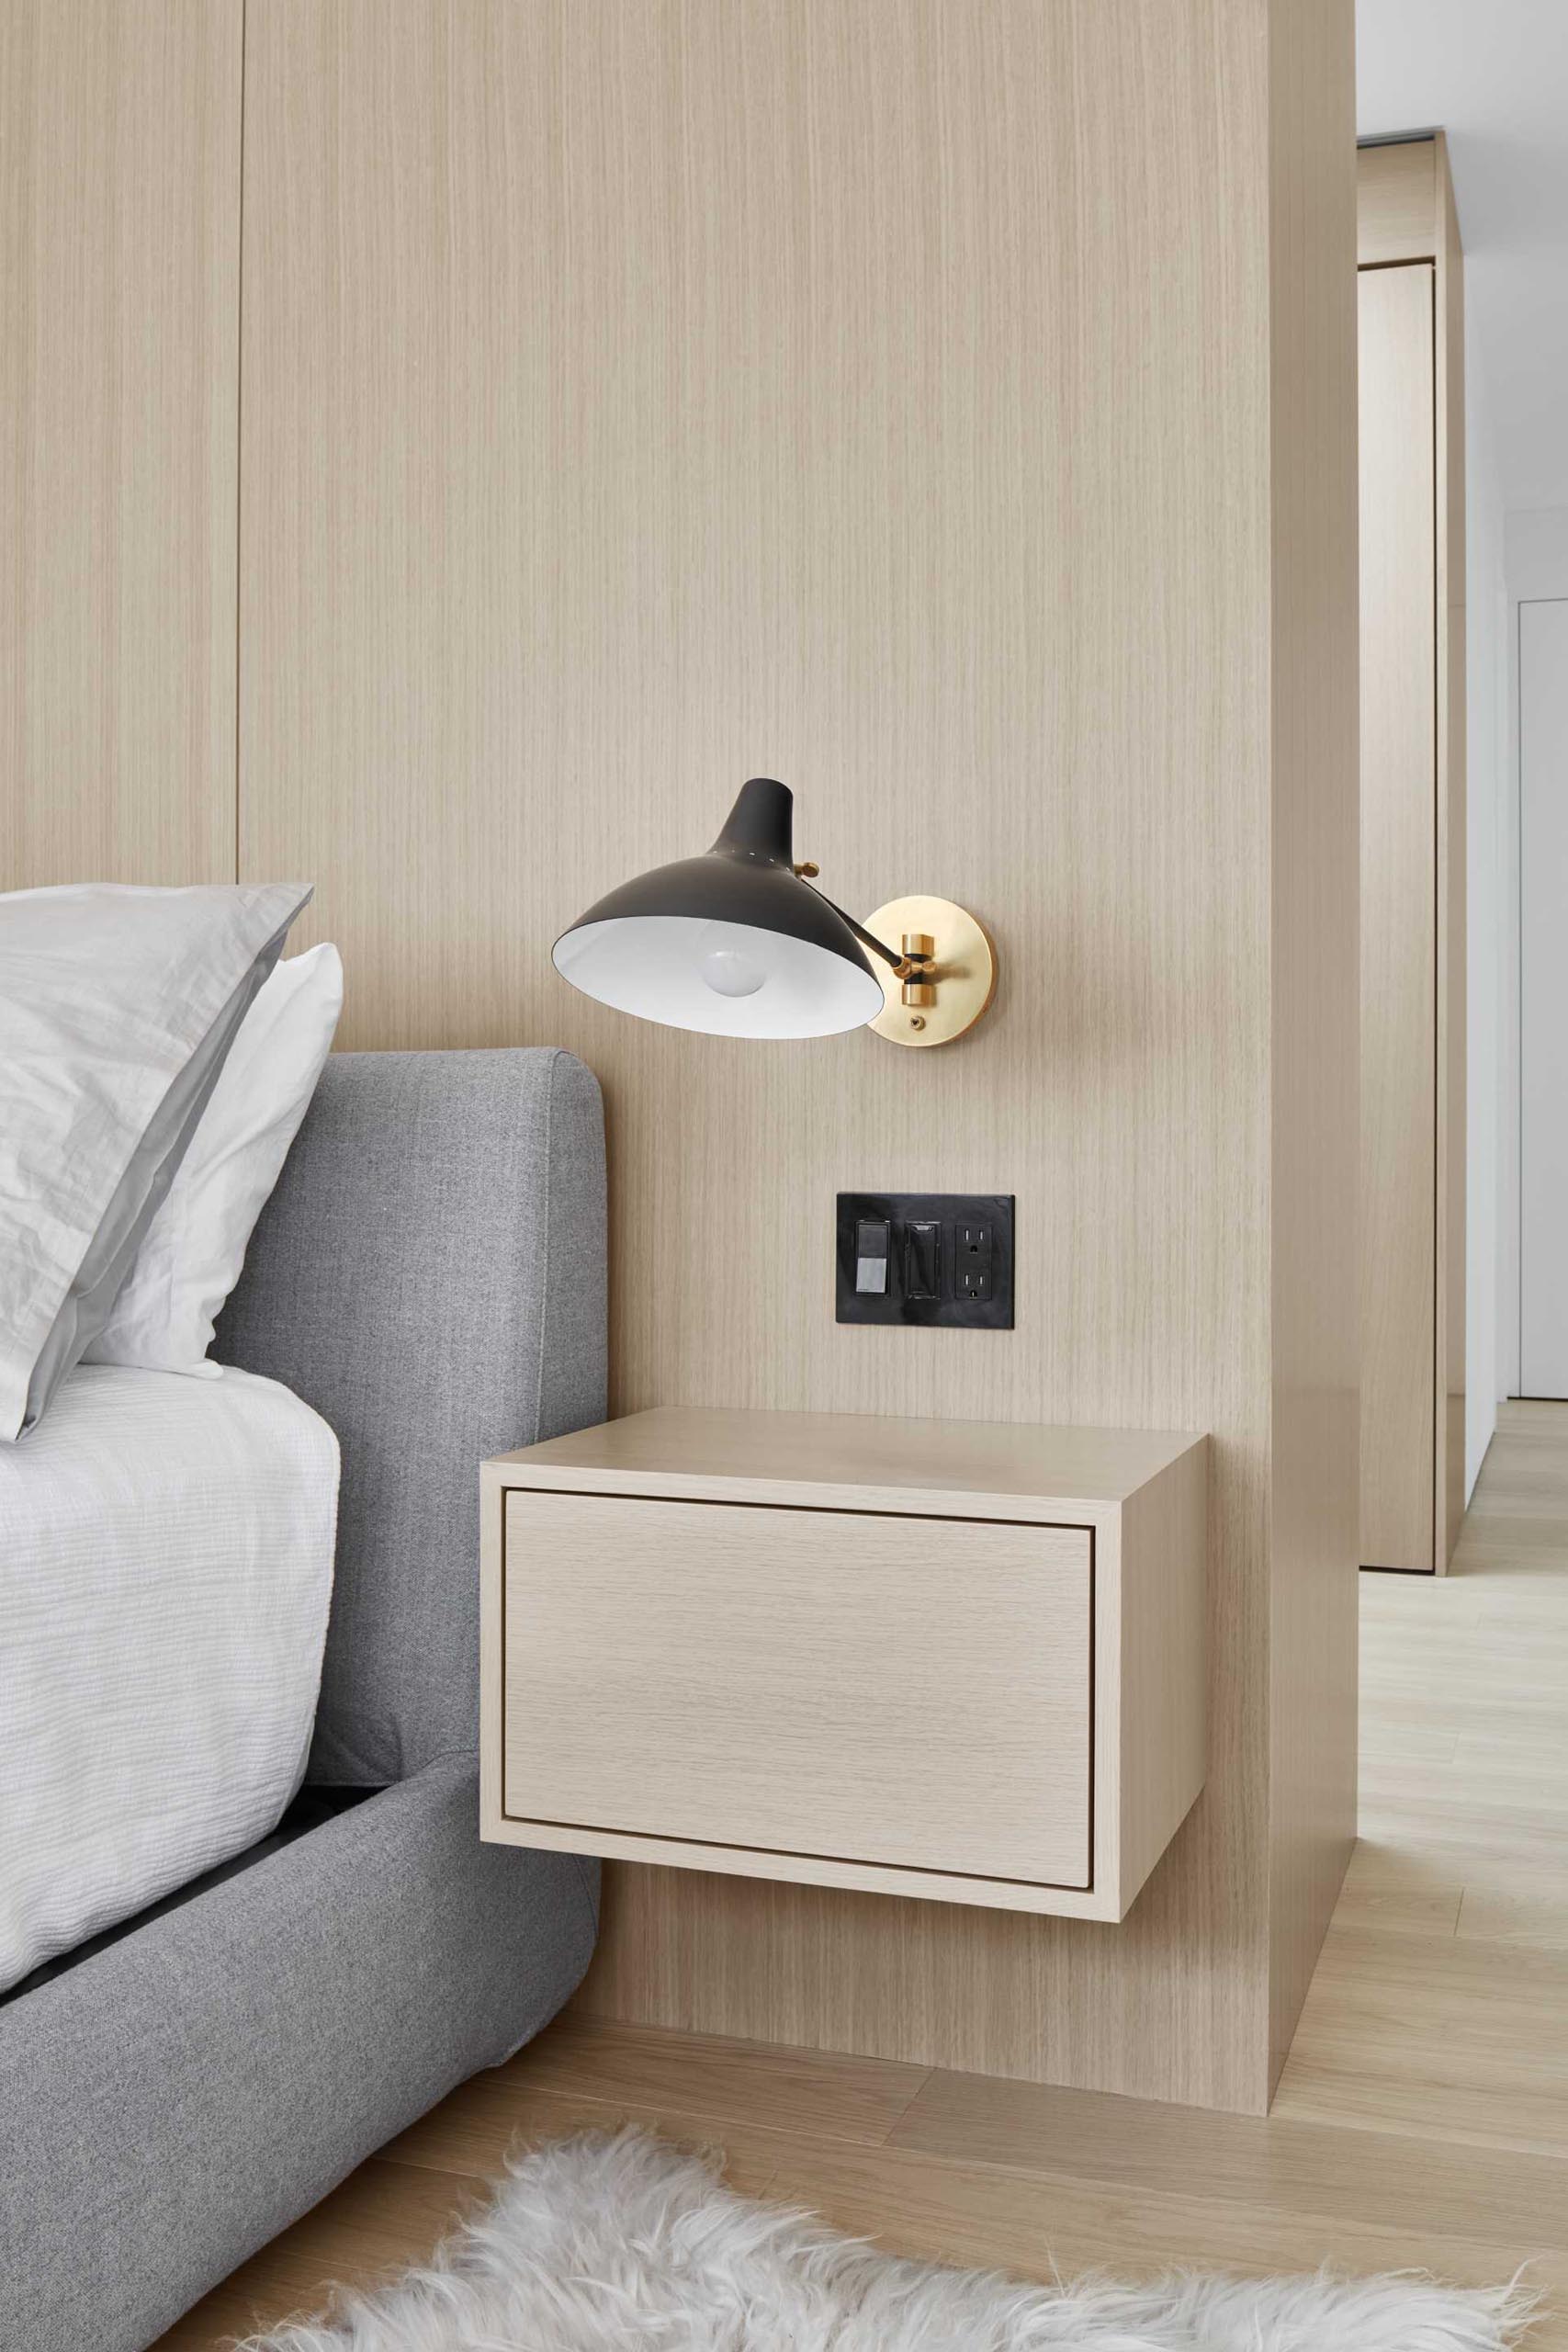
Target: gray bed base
[(430, 1275)]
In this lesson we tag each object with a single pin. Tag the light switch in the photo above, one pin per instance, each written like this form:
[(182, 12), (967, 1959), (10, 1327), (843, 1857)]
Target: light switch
[(870, 1255), (922, 1266)]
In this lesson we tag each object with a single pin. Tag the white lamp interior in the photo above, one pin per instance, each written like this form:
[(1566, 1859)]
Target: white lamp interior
[(727, 979)]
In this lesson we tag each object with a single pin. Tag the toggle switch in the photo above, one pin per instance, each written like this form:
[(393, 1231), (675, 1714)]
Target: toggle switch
[(922, 1258), (870, 1255)]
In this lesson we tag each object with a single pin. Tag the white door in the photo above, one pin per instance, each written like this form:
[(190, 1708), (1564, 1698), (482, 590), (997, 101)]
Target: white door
[(1543, 998)]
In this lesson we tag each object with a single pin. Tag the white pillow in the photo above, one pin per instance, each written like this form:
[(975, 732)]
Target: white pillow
[(195, 1247), (116, 1007)]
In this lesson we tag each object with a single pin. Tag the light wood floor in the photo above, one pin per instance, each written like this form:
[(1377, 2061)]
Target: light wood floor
[(1422, 2118)]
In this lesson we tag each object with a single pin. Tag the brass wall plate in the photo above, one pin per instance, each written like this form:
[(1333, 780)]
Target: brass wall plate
[(966, 971)]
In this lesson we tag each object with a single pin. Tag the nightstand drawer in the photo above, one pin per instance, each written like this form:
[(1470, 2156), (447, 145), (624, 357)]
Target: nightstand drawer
[(913, 1693), (957, 1660)]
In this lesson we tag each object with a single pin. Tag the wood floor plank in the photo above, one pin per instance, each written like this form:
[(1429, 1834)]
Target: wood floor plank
[(1538, 1719), (1456, 1987), (382, 2219), (830, 2095), (1467, 1858), (1401, 1745), (1277, 2162), (1521, 1906), (1037, 2225), (1471, 2114), (222, 2317), (1427, 1911), (474, 2137)]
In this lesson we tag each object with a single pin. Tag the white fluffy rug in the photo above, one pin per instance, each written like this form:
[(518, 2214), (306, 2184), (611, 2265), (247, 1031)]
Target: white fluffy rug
[(599, 2243)]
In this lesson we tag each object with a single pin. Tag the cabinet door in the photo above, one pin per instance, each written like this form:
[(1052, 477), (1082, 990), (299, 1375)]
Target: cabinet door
[(859, 1686), (1399, 883)]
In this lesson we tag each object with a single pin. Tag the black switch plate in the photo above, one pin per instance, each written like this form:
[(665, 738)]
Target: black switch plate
[(948, 1259)]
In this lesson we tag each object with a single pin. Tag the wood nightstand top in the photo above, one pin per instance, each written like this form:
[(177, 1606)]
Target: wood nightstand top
[(854, 1461)]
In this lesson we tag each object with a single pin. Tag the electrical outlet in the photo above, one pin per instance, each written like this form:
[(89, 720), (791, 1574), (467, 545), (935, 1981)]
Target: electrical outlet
[(926, 1257), (972, 1241)]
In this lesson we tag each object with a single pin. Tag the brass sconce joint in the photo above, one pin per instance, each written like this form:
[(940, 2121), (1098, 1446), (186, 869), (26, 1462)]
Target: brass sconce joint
[(917, 968), (941, 978), (941, 982)]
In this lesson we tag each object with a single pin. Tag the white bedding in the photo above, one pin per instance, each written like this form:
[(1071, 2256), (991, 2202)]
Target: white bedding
[(165, 1565)]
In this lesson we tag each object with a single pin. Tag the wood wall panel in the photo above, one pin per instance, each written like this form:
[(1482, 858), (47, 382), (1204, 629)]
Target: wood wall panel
[(119, 243), (1397, 201), (883, 398), (1399, 899), (1449, 1497), (1316, 997), (1413, 1444)]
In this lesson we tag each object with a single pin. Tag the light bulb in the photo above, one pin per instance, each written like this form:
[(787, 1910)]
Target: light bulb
[(727, 962), (728, 972)]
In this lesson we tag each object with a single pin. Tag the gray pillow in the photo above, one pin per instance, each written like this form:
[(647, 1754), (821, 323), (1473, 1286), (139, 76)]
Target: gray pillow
[(118, 1006)]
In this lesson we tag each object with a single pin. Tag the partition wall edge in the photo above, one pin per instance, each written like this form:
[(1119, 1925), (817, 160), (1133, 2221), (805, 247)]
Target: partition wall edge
[(1316, 1062), (1449, 1497)]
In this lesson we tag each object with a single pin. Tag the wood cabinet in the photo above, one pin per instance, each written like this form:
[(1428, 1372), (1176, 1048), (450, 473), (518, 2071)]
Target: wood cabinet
[(917, 1658), (1412, 860)]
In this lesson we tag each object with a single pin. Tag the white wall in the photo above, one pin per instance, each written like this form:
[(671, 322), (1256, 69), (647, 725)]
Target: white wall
[(1537, 555), (1490, 932)]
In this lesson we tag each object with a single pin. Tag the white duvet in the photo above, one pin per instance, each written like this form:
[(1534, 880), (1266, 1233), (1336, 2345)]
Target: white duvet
[(165, 1565)]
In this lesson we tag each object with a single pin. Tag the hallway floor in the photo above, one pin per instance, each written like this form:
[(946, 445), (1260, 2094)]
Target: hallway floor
[(1440, 2002), (1422, 2118)]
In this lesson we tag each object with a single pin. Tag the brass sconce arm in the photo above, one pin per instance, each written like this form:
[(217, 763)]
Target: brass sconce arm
[(915, 965), (930, 997)]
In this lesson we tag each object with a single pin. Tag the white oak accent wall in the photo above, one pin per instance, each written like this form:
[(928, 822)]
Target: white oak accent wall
[(119, 354), (950, 410)]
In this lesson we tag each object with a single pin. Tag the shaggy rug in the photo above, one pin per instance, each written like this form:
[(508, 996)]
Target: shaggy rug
[(624, 2241)]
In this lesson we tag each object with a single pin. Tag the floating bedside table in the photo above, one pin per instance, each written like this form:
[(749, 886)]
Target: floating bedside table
[(954, 1659)]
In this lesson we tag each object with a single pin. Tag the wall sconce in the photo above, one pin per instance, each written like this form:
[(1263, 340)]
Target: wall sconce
[(737, 943)]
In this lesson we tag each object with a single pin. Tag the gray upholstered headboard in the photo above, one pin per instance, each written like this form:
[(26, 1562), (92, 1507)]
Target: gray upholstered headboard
[(429, 1274)]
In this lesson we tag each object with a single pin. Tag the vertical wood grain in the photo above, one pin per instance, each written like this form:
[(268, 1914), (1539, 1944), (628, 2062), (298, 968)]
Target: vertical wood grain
[(1397, 201), (1452, 855), (119, 219), (881, 398), (1399, 902), (1315, 1059), (830, 1702), (1406, 217)]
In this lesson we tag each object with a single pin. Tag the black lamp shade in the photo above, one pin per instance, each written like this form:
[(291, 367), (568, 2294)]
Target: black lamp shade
[(732, 943)]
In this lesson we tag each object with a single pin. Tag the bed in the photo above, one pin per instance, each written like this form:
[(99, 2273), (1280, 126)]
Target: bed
[(165, 1569), (425, 1287)]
